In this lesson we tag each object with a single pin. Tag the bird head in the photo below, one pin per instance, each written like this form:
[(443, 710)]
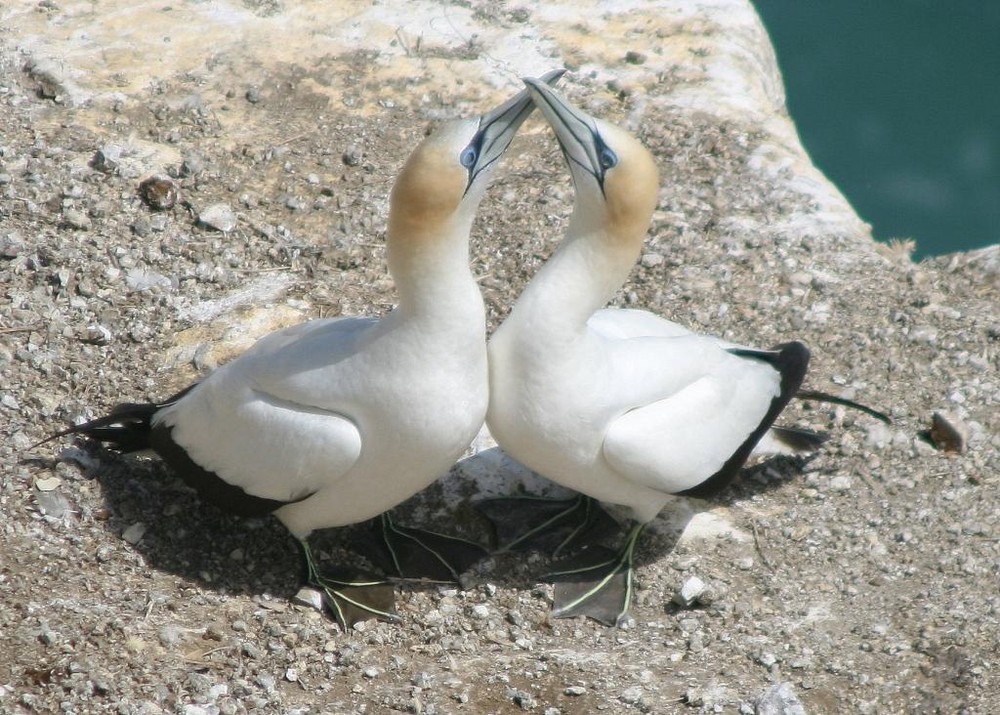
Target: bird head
[(447, 174), (615, 177)]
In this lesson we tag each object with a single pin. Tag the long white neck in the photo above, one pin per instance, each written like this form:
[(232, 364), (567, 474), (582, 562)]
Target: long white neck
[(580, 278), (430, 266)]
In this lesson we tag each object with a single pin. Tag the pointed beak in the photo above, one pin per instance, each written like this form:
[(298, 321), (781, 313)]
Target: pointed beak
[(498, 126), (582, 145)]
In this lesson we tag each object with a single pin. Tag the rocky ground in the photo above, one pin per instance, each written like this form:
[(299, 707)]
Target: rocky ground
[(861, 580)]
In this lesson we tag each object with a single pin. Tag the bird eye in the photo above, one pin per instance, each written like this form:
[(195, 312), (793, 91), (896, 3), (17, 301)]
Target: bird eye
[(607, 158), (468, 157)]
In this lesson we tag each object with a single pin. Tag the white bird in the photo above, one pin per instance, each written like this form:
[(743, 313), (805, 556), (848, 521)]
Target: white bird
[(621, 405), (334, 421)]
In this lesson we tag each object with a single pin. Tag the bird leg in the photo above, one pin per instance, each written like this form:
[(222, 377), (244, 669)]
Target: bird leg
[(350, 600), (555, 525), (600, 589), (419, 554)]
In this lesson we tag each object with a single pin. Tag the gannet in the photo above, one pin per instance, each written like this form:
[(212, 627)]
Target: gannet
[(334, 421), (621, 405)]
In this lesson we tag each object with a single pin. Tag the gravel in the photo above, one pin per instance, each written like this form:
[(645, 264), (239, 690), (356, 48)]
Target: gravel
[(862, 579)]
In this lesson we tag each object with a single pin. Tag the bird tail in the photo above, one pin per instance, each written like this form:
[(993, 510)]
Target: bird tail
[(817, 396), (125, 429)]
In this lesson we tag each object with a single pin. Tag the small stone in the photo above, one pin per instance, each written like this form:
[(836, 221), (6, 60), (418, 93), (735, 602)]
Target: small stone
[(948, 432), (631, 695), (689, 592), (651, 260), (575, 690), (768, 660), (635, 58), (159, 193), (107, 159), (371, 672), (779, 699), (253, 95), (97, 334), (134, 533), (480, 611), (309, 597), (192, 165), (423, 680), (11, 245), (352, 155), (219, 217), (841, 483), (138, 279), (54, 504), (523, 699), (170, 636), (76, 219), (47, 484), (291, 675)]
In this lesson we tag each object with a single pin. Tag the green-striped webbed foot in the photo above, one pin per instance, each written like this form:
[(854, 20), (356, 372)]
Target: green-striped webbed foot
[(555, 526), (418, 554), (597, 582), (350, 598)]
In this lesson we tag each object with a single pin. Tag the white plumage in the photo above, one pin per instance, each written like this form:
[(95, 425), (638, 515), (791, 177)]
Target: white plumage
[(333, 422), (620, 405)]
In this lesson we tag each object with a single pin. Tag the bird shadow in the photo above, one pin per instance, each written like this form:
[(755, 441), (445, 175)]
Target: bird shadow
[(151, 512), (491, 473)]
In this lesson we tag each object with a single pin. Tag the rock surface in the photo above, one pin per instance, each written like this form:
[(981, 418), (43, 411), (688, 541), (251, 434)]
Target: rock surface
[(864, 579)]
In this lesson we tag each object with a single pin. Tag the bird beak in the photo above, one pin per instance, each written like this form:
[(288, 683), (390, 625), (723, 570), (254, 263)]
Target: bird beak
[(498, 126), (581, 143)]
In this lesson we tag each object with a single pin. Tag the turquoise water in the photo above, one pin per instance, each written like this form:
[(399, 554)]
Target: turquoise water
[(898, 102)]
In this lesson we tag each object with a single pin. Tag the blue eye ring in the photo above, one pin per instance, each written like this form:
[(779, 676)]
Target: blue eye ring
[(468, 157)]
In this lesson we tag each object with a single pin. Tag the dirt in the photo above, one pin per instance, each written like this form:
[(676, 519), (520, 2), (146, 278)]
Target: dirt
[(864, 577)]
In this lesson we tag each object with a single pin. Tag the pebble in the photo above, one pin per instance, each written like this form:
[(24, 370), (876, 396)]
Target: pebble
[(192, 165), (651, 260), (948, 432), (631, 695), (159, 192), (352, 155), (371, 672), (779, 699), (219, 217), (54, 504), (107, 159), (480, 611), (76, 219), (689, 591), (309, 597), (575, 690), (140, 279), (840, 483), (134, 533)]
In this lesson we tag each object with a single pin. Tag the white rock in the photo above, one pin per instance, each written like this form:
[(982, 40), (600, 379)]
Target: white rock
[(134, 533), (218, 216), (689, 591)]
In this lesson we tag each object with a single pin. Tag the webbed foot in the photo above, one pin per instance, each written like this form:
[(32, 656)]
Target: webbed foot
[(419, 554)]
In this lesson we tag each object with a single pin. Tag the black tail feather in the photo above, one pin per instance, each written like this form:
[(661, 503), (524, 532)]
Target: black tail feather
[(818, 396), (125, 429)]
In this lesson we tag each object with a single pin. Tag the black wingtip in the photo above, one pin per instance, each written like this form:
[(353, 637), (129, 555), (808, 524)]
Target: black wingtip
[(791, 361)]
